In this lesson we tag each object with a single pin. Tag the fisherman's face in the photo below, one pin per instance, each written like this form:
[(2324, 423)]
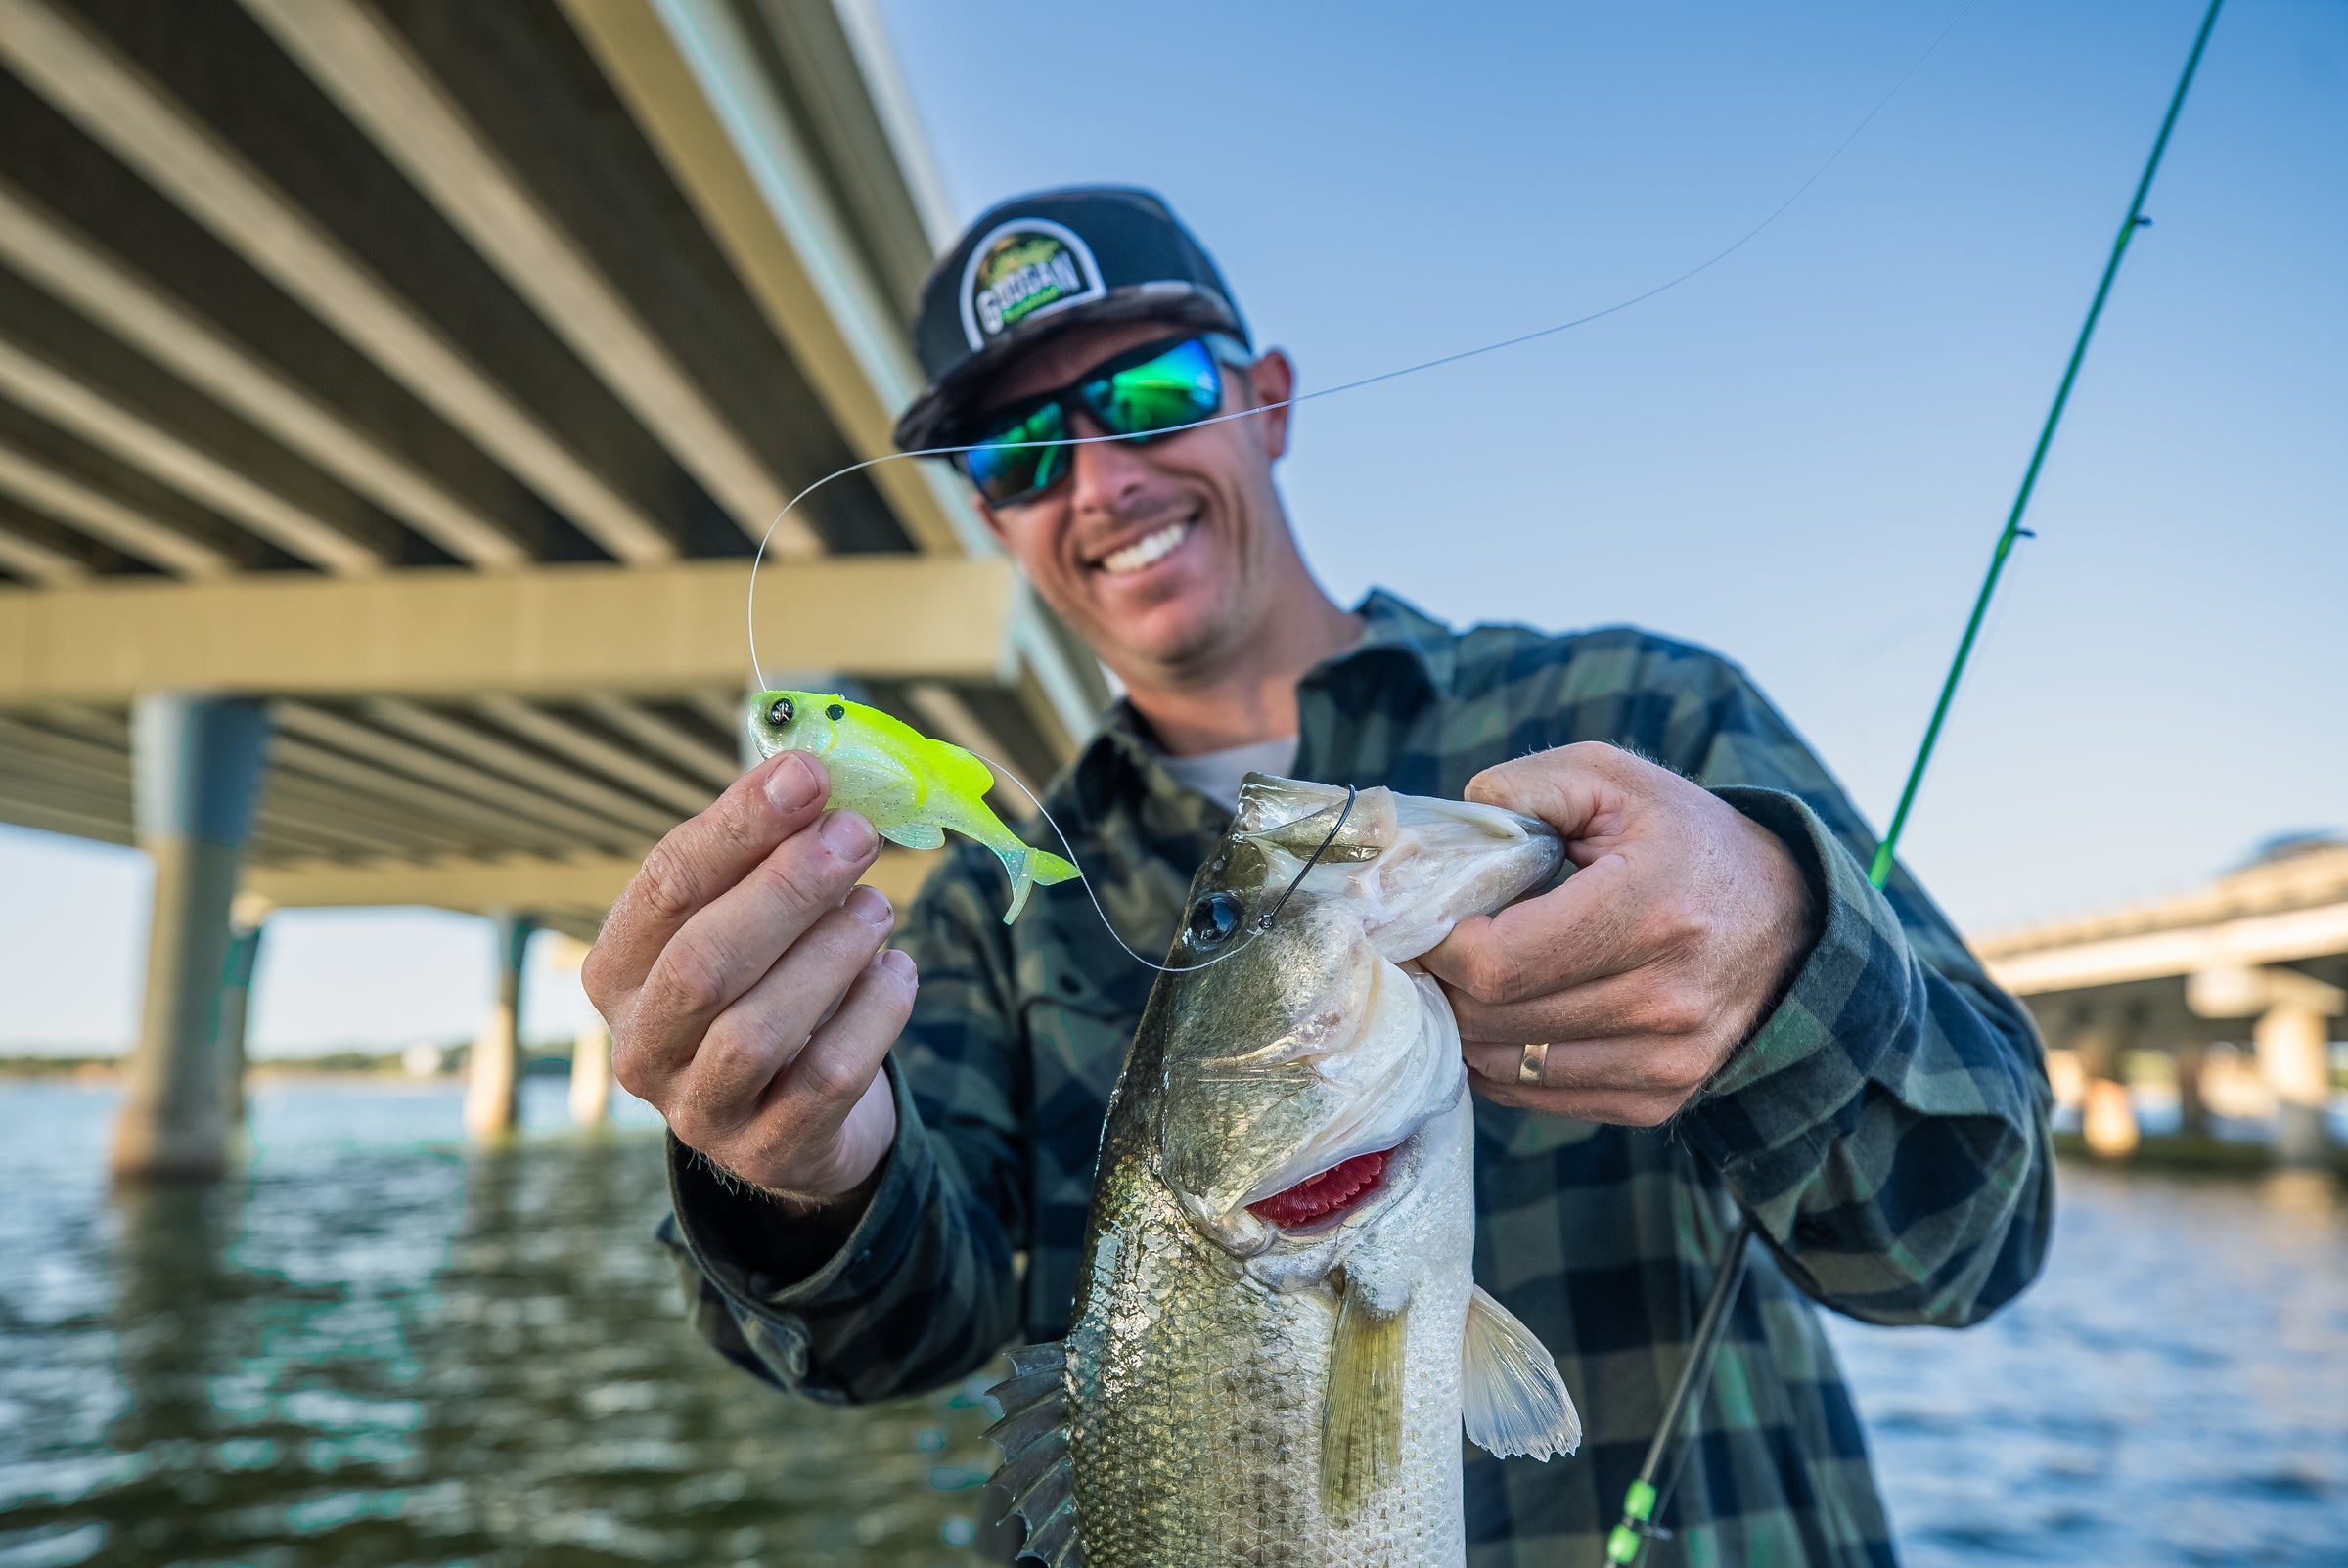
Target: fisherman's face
[(1208, 492)]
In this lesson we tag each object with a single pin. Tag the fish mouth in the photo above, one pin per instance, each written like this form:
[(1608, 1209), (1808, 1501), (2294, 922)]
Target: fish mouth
[(1354, 1188), (1319, 1203)]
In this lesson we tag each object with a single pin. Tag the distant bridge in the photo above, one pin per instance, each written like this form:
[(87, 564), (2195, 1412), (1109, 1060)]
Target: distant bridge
[(2260, 954)]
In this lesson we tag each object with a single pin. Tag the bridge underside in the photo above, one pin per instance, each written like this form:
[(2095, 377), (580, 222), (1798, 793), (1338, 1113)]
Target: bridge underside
[(429, 373), (392, 396)]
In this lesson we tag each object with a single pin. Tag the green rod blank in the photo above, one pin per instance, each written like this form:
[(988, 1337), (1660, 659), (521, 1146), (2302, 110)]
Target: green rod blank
[(1880, 869)]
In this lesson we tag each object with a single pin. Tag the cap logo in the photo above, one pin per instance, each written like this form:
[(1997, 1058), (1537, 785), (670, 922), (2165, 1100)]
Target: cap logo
[(1026, 268)]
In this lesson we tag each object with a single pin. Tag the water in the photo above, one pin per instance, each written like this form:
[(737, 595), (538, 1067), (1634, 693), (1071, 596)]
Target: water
[(2173, 1390), (383, 1348)]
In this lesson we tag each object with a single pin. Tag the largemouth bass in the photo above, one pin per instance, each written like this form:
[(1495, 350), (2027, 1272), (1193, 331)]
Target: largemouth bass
[(1277, 1339)]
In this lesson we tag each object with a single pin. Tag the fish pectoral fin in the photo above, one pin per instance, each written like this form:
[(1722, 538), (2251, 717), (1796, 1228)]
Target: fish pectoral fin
[(1512, 1400), (1034, 1436), (1361, 1409), (916, 834)]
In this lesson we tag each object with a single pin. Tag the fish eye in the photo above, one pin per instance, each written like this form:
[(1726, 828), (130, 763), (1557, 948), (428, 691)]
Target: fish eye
[(836, 713), (1214, 918), (779, 713)]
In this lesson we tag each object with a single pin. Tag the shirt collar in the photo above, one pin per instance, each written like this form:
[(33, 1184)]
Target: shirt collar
[(1393, 631), (1394, 626)]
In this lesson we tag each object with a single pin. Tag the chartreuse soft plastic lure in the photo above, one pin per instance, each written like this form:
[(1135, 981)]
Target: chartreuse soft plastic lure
[(910, 787)]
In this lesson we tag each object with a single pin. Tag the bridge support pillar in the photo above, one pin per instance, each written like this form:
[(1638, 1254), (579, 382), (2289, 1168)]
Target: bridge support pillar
[(493, 1072), (2294, 1051), (196, 774), (2193, 1112), (591, 1074), (2293, 1037), (2107, 1116)]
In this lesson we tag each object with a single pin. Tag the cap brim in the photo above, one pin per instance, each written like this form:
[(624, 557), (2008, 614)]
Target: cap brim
[(929, 421)]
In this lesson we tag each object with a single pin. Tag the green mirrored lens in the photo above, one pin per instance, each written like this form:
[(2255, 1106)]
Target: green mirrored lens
[(1004, 469), (1180, 387)]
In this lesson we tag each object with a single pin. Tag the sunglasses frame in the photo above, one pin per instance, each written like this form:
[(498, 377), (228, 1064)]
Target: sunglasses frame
[(1226, 351)]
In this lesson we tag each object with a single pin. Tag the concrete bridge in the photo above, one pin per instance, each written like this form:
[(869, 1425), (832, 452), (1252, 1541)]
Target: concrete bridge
[(2258, 957), (391, 396)]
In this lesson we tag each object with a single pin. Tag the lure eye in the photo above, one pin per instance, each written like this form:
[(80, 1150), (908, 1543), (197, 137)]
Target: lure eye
[(779, 712), (1215, 920)]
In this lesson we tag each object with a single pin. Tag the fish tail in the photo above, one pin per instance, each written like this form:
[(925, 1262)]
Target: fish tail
[(1028, 868)]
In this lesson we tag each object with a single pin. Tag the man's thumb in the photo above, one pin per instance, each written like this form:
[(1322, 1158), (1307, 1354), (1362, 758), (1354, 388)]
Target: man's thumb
[(1559, 786)]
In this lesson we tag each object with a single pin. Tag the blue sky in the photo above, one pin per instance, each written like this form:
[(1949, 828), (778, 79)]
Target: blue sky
[(1799, 458)]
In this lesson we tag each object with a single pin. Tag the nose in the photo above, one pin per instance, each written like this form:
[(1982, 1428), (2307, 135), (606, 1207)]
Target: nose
[(1105, 476)]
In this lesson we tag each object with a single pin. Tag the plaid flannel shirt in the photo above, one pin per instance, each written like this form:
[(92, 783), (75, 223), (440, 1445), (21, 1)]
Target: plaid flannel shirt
[(1886, 1125)]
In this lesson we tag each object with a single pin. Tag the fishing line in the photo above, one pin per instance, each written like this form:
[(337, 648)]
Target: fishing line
[(1652, 1486), (1261, 926), (757, 557)]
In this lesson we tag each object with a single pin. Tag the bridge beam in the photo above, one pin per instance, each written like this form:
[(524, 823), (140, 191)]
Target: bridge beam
[(563, 632)]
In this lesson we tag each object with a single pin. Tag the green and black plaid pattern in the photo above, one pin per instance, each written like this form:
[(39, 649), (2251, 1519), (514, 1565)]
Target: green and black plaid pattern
[(1887, 1124)]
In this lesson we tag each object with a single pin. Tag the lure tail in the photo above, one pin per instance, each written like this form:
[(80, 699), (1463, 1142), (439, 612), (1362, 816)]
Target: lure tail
[(1032, 868)]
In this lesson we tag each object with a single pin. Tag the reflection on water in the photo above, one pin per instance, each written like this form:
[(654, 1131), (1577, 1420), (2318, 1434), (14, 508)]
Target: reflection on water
[(380, 1352), (383, 1348)]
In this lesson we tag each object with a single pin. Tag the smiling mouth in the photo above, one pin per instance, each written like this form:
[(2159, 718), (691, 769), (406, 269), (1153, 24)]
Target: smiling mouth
[(1143, 551)]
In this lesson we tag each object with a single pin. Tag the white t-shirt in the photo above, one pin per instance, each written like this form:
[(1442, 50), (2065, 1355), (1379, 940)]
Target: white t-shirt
[(1218, 775)]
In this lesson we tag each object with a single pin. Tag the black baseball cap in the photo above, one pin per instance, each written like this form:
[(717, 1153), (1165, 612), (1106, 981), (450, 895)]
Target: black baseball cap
[(1036, 265)]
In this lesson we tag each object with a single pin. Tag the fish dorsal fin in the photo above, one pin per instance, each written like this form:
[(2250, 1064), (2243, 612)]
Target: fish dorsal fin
[(960, 770), (1361, 1411), (1512, 1400), (1034, 1436)]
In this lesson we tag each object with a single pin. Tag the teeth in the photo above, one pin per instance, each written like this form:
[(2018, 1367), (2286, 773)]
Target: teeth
[(1144, 550)]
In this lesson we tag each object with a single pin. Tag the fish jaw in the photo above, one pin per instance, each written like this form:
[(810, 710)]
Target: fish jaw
[(1452, 859), (1376, 1095), (1418, 1172)]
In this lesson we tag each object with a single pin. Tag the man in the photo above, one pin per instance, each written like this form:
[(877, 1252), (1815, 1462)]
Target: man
[(1715, 1013)]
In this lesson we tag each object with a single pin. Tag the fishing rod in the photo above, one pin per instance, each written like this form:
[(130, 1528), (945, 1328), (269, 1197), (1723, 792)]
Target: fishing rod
[(1652, 1487)]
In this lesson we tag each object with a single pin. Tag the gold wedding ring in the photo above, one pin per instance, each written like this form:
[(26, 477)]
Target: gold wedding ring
[(1533, 1063)]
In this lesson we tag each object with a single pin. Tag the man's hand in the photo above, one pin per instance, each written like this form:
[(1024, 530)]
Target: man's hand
[(748, 996), (1643, 971)]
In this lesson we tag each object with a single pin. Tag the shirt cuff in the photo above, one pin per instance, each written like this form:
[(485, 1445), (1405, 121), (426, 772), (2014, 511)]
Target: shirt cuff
[(1783, 1095), (713, 1216)]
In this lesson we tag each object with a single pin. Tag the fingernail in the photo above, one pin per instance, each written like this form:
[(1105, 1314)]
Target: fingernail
[(791, 786), (848, 836), (871, 905), (901, 963)]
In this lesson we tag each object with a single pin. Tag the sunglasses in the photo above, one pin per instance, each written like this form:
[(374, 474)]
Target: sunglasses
[(1141, 393)]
